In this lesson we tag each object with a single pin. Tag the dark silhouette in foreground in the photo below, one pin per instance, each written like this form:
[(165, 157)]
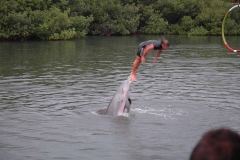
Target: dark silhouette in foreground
[(219, 144)]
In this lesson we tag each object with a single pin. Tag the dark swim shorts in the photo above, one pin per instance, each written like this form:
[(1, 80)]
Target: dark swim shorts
[(140, 51), (156, 43)]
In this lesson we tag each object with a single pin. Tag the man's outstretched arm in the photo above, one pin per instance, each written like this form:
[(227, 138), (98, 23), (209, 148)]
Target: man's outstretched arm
[(157, 55)]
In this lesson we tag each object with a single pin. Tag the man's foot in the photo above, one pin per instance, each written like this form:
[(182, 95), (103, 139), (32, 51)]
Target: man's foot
[(133, 77)]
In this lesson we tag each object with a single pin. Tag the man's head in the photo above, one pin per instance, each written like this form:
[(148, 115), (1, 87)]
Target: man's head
[(220, 144), (165, 44)]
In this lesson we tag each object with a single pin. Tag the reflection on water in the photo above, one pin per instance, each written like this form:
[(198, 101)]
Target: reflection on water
[(49, 92)]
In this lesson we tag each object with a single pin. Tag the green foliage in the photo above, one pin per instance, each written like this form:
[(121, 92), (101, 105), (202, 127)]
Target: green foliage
[(211, 16), (29, 5), (155, 25), (185, 25), (111, 17), (80, 24), (65, 34), (50, 22), (198, 31), (232, 24), (174, 10), (66, 19), (15, 26), (129, 18)]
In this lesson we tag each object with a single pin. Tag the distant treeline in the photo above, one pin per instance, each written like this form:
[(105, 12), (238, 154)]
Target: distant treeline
[(66, 19)]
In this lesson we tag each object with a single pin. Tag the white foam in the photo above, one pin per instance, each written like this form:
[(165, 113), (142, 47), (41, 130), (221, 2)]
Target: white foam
[(167, 113)]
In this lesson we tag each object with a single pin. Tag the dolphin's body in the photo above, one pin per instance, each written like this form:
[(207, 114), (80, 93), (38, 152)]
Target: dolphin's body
[(119, 102)]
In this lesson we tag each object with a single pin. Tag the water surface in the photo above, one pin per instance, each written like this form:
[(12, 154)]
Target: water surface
[(50, 92)]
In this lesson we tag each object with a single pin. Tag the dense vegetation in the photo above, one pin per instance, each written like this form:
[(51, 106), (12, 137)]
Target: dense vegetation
[(66, 19)]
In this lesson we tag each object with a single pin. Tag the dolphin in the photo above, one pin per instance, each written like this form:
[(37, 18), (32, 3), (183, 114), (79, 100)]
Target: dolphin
[(120, 101)]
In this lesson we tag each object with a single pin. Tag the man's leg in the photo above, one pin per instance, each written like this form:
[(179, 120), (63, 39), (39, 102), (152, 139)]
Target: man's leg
[(136, 63)]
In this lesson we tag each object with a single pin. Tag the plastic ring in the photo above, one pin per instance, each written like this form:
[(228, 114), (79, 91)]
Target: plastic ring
[(223, 23)]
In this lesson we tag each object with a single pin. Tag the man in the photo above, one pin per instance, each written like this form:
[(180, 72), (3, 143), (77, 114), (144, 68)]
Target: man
[(218, 144), (143, 49)]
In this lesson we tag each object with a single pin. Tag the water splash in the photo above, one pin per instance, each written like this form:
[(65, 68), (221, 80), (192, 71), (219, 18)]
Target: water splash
[(167, 113)]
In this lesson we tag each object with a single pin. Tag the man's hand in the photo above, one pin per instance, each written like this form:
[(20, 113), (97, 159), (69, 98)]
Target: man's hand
[(157, 55)]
